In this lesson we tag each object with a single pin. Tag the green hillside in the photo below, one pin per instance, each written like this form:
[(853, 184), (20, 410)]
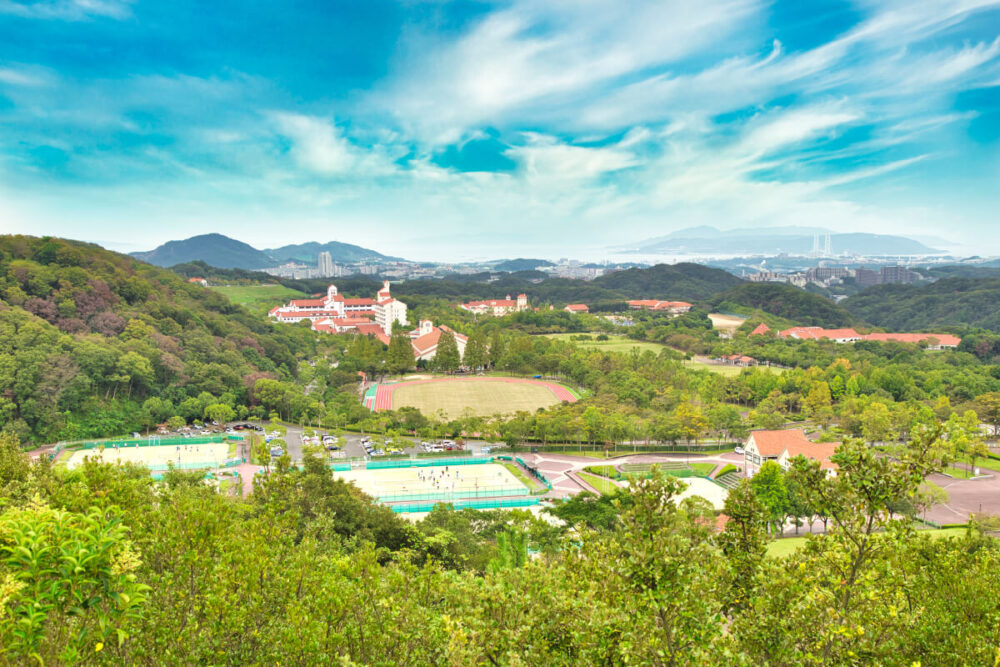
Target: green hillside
[(783, 301), (950, 302), (669, 281), (95, 343)]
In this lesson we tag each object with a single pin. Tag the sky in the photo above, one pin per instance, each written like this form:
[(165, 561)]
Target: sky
[(462, 130)]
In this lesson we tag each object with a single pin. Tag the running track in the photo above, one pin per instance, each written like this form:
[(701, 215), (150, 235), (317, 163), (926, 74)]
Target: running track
[(383, 395)]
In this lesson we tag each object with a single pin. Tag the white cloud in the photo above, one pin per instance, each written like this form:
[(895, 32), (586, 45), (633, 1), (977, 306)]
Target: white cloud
[(68, 10)]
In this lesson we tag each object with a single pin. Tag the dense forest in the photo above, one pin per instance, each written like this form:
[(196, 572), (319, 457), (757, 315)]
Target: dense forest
[(103, 565), (93, 343), (950, 302), (785, 301)]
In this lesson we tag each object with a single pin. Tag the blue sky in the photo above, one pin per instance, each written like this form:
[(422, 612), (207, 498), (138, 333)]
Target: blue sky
[(445, 130)]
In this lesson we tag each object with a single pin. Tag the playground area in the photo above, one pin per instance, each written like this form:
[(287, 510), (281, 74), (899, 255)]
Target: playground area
[(482, 396), (157, 458), (439, 483)]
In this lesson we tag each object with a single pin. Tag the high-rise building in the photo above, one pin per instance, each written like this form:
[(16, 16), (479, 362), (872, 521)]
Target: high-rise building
[(324, 264)]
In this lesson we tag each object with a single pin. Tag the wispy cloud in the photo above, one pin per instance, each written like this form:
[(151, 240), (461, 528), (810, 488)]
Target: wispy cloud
[(67, 10)]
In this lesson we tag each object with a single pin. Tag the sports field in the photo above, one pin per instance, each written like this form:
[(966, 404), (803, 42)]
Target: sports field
[(259, 295), (483, 396), (437, 483), (184, 456), (614, 344)]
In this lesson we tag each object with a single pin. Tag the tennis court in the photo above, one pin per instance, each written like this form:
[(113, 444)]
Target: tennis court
[(436, 483), (204, 455)]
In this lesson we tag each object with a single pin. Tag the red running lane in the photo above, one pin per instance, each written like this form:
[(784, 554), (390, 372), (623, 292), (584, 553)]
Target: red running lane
[(383, 395)]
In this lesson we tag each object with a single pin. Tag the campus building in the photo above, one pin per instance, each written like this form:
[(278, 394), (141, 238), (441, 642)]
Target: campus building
[(672, 307), (336, 314), (782, 446), (577, 308), (931, 341), (425, 340), (497, 307)]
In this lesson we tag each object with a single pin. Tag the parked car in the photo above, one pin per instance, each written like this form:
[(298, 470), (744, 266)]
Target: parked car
[(739, 450)]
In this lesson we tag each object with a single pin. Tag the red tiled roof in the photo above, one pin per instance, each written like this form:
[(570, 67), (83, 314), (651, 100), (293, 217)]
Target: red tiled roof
[(816, 333), (579, 307), (359, 302), (760, 330), (372, 329), (509, 303), (942, 339), (794, 441)]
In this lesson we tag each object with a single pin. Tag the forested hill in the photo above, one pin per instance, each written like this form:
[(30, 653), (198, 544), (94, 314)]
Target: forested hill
[(949, 302), (669, 281), (214, 249), (88, 335), (785, 301)]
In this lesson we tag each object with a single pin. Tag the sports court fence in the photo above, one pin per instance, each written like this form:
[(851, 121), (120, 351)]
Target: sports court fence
[(535, 472), (426, 463), (448, 496), (152, 441), (469, 504)]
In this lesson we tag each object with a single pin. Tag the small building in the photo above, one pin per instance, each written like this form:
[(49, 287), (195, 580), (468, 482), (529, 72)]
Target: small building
[(782, 446), (425, 340), (198, 281), (741, 360), (577, 308), (672, 307), (761, 330)]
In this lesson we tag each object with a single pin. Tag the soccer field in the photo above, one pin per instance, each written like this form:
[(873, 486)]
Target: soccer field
[(438, 483), (259, 295), (185, 456), (482, 396)]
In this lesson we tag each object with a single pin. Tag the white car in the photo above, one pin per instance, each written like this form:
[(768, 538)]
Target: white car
[(739, 450)]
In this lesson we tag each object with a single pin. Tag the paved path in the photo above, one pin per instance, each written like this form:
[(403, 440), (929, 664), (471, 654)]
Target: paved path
[(966, 497)]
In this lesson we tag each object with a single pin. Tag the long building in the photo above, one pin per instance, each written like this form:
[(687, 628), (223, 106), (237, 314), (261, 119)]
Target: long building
[(497, 307), (932, 341), (337, 314)]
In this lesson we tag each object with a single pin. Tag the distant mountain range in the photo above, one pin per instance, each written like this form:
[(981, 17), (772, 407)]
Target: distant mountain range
[(228, 253), (775, 240)]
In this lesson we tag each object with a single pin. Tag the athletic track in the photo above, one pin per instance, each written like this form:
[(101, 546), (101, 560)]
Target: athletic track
[(383, 395)]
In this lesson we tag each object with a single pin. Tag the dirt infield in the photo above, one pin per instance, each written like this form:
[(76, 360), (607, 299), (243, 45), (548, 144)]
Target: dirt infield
[(484, 396), (436, 483)]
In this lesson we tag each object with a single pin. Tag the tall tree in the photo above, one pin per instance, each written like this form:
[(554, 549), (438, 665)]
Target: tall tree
[(476, 352), (447, 358), (400, 355)]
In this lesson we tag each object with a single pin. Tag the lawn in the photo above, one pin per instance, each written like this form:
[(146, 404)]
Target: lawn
[(787, 545), (602, 484), (521, 477), (482, 398), (259, 295), (615, 344)]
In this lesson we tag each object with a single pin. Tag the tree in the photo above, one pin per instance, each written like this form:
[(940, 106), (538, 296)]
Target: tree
[(876, 423), (400, 357), (988, 407), (476, 352), (769, 487), (220, 412), (743, 542), (447, 358)]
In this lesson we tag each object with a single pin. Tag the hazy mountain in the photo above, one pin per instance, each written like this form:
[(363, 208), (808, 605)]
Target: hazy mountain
[(339, 252), (227, 253), (213, 249), (776, 240), (668, 281)]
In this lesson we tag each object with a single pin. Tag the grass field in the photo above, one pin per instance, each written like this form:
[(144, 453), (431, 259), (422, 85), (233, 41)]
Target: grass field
[(481, 398), (615, 344), (259, 295), (787, 545), (602, 484)]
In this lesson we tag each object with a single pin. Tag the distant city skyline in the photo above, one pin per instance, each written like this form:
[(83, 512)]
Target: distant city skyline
[(431, 130)]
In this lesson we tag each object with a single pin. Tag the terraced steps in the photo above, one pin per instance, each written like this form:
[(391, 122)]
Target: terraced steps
[(730, 480)]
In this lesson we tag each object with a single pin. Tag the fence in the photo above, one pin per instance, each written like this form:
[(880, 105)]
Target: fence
[(151, 442), (535, 472), (449, 496), (426, 463), (469, 504)]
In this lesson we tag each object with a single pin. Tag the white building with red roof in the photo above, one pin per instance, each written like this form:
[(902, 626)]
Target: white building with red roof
[(818, 333), (672, 307), (577, 308), (782, 446), (497, 307), (335, 314), (425, 340)]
